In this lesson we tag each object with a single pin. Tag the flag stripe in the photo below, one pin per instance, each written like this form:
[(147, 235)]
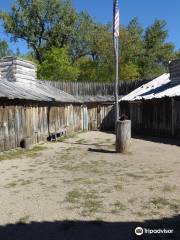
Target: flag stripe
[(116, 19)]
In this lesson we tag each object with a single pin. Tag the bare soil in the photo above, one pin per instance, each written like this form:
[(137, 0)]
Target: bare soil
[(82, 178)]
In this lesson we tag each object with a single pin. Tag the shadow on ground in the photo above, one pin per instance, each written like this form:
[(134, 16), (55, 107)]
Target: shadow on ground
[(164, 140), (100, 150), (97, 230), (87, 144)]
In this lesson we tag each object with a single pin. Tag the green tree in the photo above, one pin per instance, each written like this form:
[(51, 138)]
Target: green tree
[(130, 71), (131, 50), (92, 49), (42, 24), (53, 29), (56, 65), (177, 54), (144, 54), (55, 24), (4, 49), (93, 71), (158, 52)]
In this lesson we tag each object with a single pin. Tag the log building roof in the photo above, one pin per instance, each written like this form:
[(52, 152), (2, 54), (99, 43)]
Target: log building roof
[(158, 88), (18, 81), (34, 90)]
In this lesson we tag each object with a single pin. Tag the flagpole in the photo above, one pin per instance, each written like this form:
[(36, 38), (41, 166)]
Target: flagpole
[(116, 55), (122, 128), (116, 46)]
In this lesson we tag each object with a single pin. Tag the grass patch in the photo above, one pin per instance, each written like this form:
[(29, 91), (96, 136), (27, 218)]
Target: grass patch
[(26, 182), (91, 203), (168, 188), (20, 182), (88, 201), (161, 203), (151, 188), (68, 136), (81, 141), (73, 196), (136, 176), (162, 171), (82, 167), (83, 181), (107, 190), (149, 179), (65, 157), (24, 220), (118, 207), (11, 185), (140, 214), (19, 153), (118, 187)]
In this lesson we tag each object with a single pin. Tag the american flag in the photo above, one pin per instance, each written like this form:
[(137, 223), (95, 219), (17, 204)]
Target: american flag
[(116, 18)]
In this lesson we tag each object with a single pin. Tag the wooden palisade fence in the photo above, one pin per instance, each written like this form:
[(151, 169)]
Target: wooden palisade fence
[(96, 88)]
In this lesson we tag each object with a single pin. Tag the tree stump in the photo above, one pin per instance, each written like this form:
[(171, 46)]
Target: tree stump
[(123, 136), (27, 143)]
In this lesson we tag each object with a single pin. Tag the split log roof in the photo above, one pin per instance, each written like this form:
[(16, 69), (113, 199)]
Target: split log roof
[(34, 90)]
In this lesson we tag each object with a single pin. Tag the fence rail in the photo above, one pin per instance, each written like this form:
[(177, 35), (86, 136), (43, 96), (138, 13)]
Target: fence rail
[(96, 88)]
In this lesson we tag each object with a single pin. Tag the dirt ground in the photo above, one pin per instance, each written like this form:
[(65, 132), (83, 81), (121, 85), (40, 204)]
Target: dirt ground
[(82, 178)]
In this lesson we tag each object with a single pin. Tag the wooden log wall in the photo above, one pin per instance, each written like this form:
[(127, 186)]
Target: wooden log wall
[(100, 117), (38, 121), (95, 88), (176, 116), (14, 69), (155, 117)]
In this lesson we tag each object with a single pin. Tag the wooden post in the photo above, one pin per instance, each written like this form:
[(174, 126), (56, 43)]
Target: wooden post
[(27, 143), (123, 136)]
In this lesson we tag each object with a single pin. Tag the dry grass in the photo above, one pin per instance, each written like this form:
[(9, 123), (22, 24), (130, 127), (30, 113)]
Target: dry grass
[(21, 153), (24, 220), (118, 207), (162, 203), (73, 196), (91, 203)]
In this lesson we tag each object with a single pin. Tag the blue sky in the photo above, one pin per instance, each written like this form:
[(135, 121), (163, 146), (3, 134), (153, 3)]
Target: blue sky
[(101, 10)]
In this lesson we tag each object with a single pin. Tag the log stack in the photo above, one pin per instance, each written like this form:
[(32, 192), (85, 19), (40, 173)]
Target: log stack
[(174, 69), (14, 69)]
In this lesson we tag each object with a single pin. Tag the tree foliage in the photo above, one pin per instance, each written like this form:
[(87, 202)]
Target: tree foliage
[(76, 47), (157, 51), (4, 49), (42, 24), (56, 65)]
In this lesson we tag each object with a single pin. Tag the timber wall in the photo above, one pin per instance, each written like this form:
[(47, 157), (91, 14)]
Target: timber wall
[(100, 116), (154, 117), (39, 121), (95, 88)]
